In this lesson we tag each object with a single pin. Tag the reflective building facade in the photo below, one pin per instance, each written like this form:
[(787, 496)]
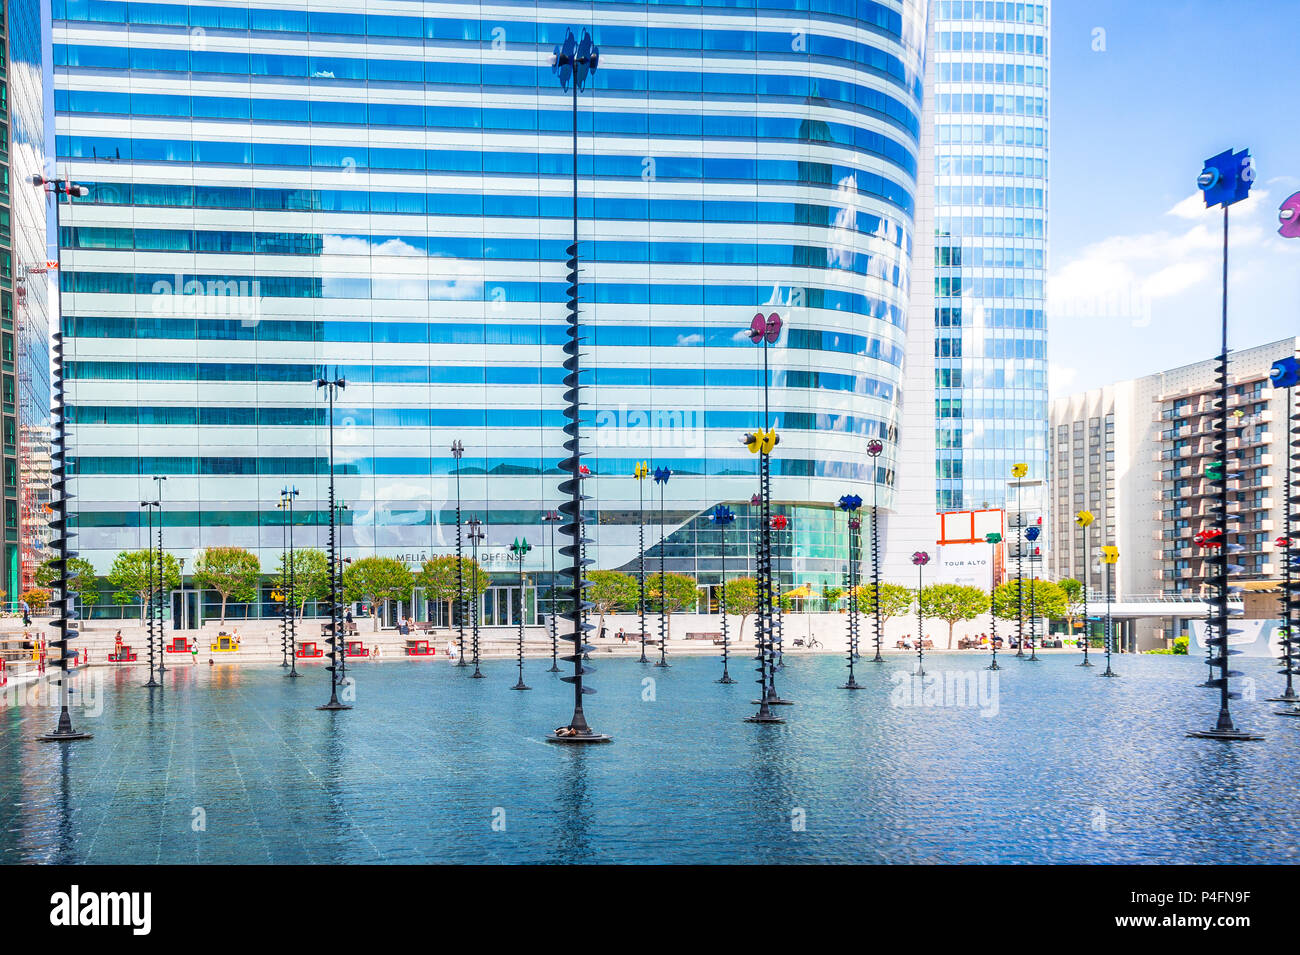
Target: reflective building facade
[(385, 189), (991, 83)]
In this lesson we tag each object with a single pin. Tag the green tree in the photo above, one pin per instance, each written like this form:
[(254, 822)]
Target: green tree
[(232, 572), (38, 598), (84, 584), (375, 580), (1046, 599), (1073, 590), (953, 602), (831, 596), (895, 600), (311, 575), (742, 599), (437, 577), (611, 590), (129, 575), (679, 592)]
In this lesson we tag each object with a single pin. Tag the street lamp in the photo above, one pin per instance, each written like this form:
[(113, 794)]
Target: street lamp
[(641, 472), (722, 518), (520, 549), (661, 478), (764, 330), (920, 559), (851, 504), (476, 536), (573, 62), (1084, 520), (287, 496), (1286, 374), (66, 615), (874, 449), (1225, 179), (458, 451), (147, 611), (338, 649), (551, 518), (1109, 557), (993, 538)]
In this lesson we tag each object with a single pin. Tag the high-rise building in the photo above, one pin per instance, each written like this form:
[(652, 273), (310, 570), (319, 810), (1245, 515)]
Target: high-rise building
[(24, 328), (991, 81), (1135, 454), (384, 188)]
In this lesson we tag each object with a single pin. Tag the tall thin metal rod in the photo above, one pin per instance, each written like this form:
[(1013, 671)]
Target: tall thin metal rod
[(338, 648), (642, 470), (457, 450), (147, 610), (158, 480), (475, 536), (663, 575), (1084, 524), (291, 595), (552, 518)]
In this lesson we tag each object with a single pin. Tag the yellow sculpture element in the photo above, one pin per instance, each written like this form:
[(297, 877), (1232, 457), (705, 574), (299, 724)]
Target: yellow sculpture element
[(641, 471), (1110, 555), (762, 441), (1083, 518), (1019, 470)]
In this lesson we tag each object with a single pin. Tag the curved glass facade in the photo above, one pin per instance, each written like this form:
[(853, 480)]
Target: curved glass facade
[(277, 190)]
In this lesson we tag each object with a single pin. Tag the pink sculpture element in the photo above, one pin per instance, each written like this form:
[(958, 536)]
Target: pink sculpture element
[(1289, 215)]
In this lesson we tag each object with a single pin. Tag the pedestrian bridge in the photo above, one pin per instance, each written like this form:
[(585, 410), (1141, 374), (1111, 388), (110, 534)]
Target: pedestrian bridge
[(1156, 605)]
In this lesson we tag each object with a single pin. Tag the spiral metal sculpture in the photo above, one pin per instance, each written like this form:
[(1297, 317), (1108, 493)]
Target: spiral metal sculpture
[(661, 476), (476, 536), (851, 504), (337, 646), (874, 449), (1286, 374), (920, 559), (641, 472), (520, 549), (551, 518), (457, 452), (723, 517), (287, 497), (1084, 519), (1032, 533), (993, 538)]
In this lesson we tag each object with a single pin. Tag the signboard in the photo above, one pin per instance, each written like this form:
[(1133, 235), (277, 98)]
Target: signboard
[(1257, 638), (971, 565), (969, 527)]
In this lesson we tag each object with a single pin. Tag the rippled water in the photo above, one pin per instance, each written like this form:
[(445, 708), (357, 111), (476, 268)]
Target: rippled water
[(433, 766)]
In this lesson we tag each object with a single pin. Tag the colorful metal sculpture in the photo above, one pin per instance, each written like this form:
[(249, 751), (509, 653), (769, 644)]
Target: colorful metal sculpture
[(1084, 520), (723, 517), (851, 504)]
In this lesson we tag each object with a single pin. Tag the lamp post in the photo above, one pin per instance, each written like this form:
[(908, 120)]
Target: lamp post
[(552, 518), (1286, 374), (722, 518), (661, 477), (993, 538), (520, 549), (66, 616), (874, 448), (851, 504), (764, 330), (1109, 557), (1084, 520), (920, 559), (476, 536), (338, 649), (457, 451), (573, 62), (287, 496), (1225, 179), (147, 611), (641, 472)]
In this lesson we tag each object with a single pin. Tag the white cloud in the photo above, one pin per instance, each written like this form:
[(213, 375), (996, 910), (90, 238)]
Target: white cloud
[(1060, 378)]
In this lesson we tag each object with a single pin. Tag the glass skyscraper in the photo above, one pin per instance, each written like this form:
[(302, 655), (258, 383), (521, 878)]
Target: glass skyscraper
[(991, 84), (385, 188)]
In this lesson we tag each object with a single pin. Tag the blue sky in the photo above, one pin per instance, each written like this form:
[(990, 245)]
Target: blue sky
[(1135, 260)]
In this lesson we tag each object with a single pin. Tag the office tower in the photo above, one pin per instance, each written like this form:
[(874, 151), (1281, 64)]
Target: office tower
[(277, 190), (991, 81)]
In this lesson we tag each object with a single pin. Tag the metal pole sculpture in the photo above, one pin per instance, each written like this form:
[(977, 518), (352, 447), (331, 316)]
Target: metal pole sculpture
[(66, 615), (147, 611), (520, 549), (291, 594), (851, 504), (343, 660), (573, 62), (779, 524), (1084, 519), (874, 448), (994, 538), (286, 609), (337, 647), (661, 477), (1018, 471), (1286, 374), (1109, 557), (457, 452), (1032, 533), (722, 518), (764, 330), (920, 559), (641, 472), (161, 576), (552, 518), (476, 536), (1225, 179)]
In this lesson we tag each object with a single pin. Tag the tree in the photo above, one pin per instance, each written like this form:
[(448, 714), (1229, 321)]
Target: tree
[(1073, 590), (1045, 598), (612, 590), (437, 577), (375, 580), (953, 602), (742, 599), (895, 600), (37, 598), (129, 575), (832, 595), (231, 572), (83, 584), (680, 593), (311, 575)]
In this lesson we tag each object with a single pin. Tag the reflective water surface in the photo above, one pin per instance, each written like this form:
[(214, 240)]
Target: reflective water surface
[(1048, 764)]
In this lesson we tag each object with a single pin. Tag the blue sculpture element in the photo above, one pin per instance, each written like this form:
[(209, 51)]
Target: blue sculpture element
[(1285, 373), (1226, 178), (1032, 532), (850, 502), (723, 515), (662, 475)]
